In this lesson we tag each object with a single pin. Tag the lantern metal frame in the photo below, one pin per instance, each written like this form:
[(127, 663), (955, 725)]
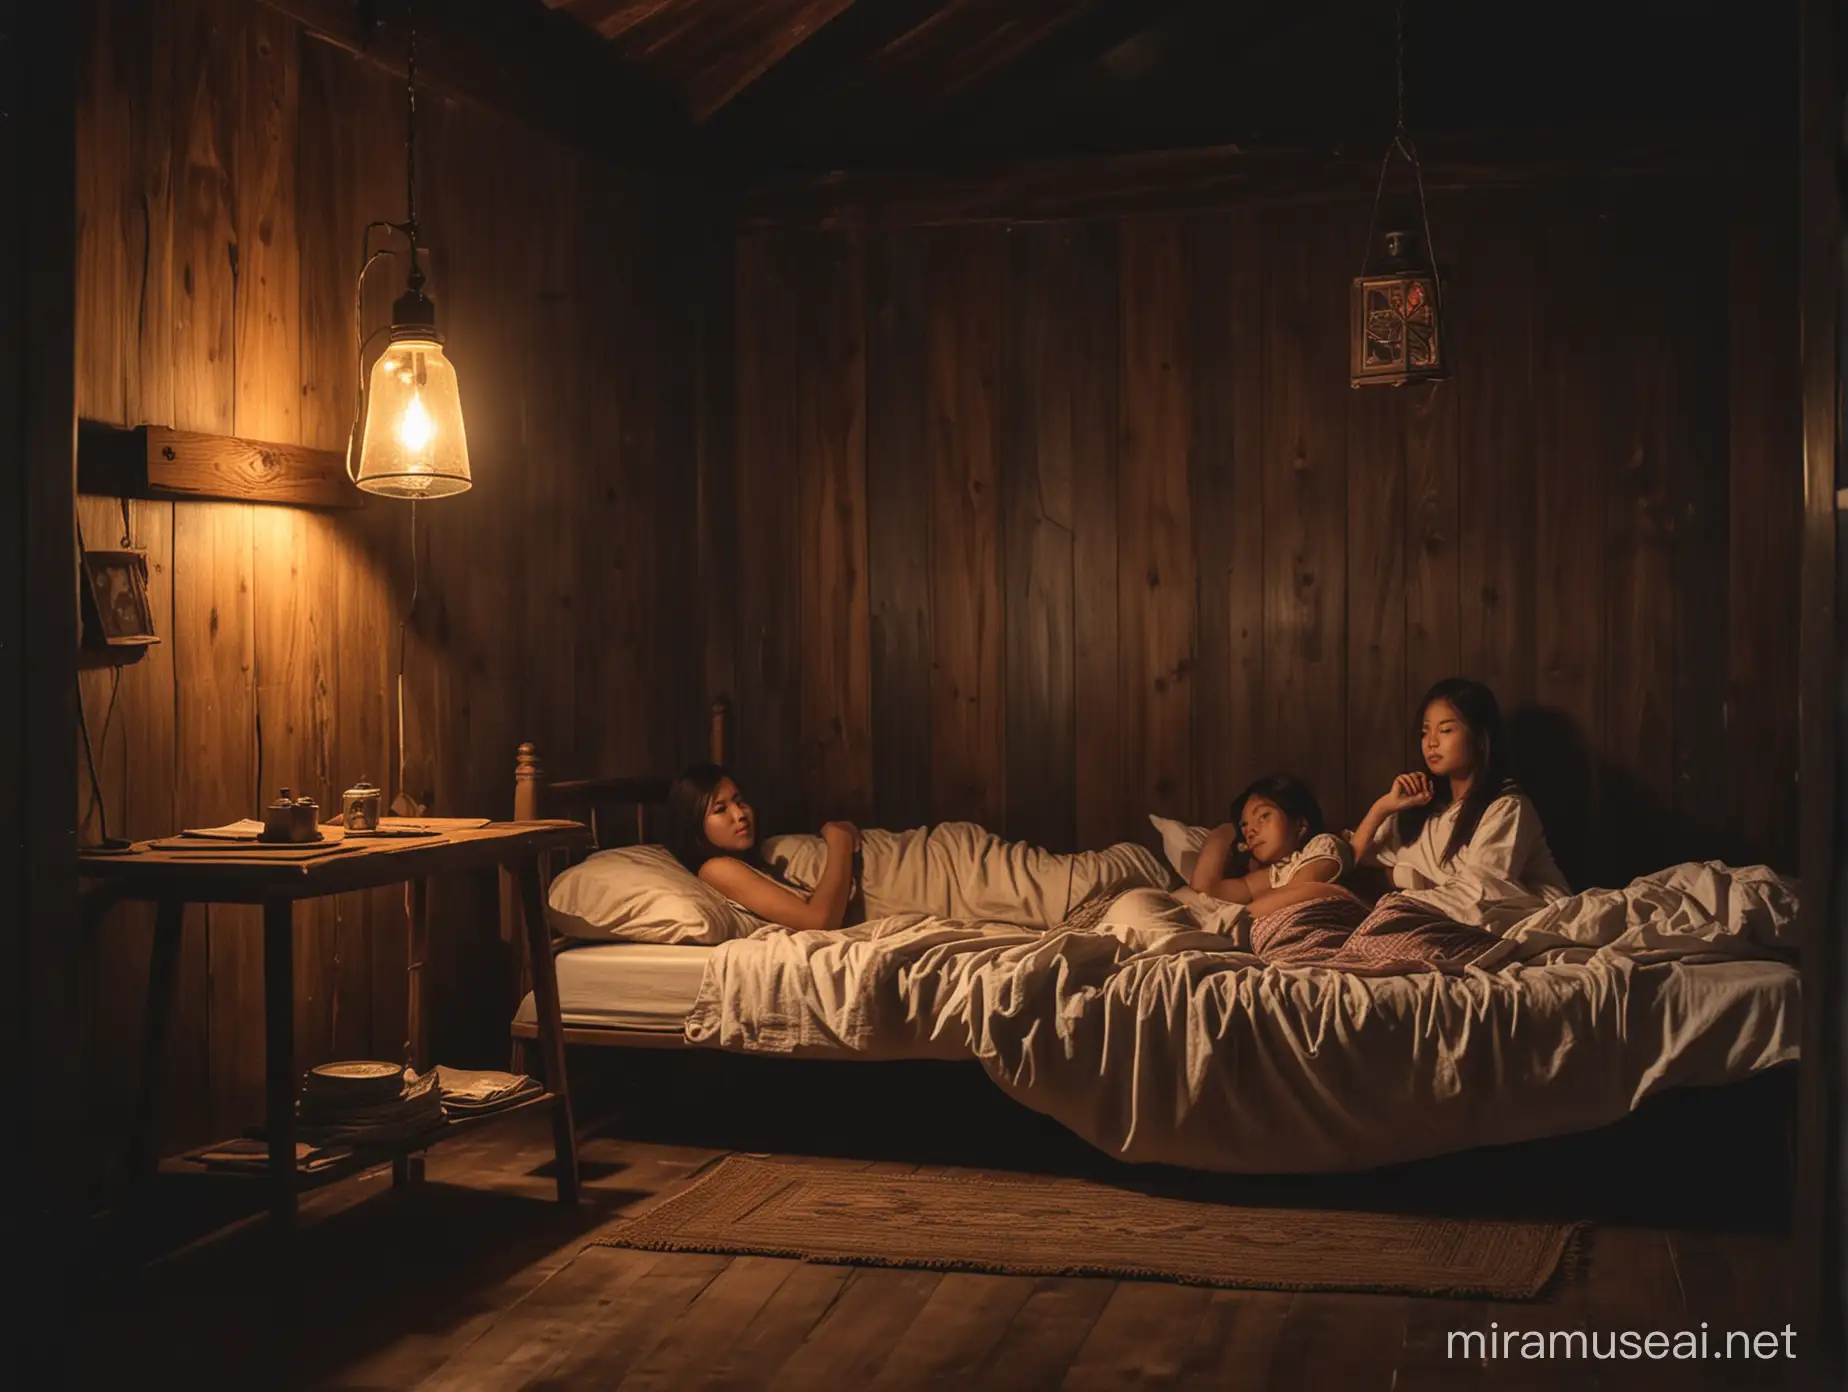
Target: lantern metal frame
[(1398, 305)]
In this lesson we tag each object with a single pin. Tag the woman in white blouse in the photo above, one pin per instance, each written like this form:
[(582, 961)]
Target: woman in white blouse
[(1461, 831)]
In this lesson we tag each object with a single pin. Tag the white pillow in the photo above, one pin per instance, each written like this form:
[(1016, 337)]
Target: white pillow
[(799, 858), (1180, 843), (643, 894)]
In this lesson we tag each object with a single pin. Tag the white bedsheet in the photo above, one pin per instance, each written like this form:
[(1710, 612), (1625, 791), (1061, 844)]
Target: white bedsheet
[(627, 985), (1156, 1041)]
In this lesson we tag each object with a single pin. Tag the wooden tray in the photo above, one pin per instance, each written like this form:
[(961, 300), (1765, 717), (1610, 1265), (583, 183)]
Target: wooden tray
[(206, 848)]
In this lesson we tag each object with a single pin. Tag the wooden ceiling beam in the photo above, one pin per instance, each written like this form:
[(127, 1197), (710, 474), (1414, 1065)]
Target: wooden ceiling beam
[(612, 18), (679, 37), (1122, 75), (519, 59), (1596, 154), (716, 87), (910, 63), (800, 92), (966, 42)]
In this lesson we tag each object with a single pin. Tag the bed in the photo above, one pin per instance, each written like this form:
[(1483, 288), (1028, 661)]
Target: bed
[(1157, 1041)]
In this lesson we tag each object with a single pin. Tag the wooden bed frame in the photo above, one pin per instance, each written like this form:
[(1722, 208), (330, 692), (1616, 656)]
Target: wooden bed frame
[(611, 807)]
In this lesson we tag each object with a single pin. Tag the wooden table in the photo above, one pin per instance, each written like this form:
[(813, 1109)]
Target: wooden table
[(173, 878)]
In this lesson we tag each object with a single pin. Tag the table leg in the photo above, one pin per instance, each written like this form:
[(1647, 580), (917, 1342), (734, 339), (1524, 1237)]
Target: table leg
[(163, 972), (417, 923), (551, 1030), (279, 1039), (409, 1169)]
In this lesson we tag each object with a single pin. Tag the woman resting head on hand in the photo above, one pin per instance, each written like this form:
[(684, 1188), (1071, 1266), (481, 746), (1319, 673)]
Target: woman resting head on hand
[(1462, 816), (712, 830), (1274, 851)]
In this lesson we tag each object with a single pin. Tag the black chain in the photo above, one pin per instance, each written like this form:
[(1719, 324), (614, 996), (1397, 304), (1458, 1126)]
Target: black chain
[(410, 139), (1401, 143)]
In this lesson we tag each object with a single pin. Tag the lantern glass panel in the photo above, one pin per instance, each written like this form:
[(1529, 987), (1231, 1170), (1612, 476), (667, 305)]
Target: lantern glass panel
[(414, 443), (1396, 332)]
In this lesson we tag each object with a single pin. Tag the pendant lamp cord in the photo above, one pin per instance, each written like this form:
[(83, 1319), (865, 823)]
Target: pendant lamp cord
[(362, 341), (416, 284), (368, 258), (410, 141), (403, 624), (1401, 144)]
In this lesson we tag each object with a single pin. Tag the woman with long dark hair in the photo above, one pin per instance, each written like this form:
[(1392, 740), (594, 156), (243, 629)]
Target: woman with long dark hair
[(1463, 818), (712, 831)]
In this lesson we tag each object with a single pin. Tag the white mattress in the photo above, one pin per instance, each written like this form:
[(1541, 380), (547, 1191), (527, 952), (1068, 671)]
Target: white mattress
[(627, 985)]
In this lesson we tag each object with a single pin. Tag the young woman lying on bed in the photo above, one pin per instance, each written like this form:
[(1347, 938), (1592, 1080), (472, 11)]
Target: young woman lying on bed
[(1273, 849), (712, 830), (954, 870)]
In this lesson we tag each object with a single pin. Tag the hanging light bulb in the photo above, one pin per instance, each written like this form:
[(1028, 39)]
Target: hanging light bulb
[(414, 444), (409, 437)]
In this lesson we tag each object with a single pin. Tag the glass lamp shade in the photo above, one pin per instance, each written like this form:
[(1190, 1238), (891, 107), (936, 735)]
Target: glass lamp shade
[(414, 444)]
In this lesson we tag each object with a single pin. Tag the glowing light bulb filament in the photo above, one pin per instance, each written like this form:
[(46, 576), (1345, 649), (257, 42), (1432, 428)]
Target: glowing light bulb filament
[(415, 427)]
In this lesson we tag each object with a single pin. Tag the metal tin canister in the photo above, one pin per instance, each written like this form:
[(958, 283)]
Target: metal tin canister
[(359, 807), (291, 819)]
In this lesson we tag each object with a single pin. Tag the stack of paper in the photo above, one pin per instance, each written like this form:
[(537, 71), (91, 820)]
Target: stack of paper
[(252, 1156), (245, 829), (467, 1093)]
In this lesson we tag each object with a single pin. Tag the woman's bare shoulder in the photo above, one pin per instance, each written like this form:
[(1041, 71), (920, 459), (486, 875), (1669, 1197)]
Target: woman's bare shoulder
[(722, 871)]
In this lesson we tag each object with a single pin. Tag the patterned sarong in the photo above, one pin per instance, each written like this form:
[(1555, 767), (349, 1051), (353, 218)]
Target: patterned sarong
[(1400, 934)]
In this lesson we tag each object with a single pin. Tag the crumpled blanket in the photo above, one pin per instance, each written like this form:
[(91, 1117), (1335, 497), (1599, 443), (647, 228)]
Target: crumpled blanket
[(961, 870), (1158, 1041)]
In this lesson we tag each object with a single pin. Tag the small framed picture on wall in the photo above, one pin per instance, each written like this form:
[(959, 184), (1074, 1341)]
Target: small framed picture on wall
[(118, 614)]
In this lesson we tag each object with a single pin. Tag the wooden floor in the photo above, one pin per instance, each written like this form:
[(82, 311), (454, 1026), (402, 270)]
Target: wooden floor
[(475, 1279)]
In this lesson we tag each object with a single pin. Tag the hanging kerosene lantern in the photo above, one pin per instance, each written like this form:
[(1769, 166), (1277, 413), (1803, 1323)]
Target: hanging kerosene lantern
[(1396, 334), (1395, 328)]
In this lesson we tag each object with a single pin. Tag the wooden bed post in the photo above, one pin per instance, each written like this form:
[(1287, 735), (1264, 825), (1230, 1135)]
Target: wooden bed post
[(528, 785), (528, 781), (534, 798)]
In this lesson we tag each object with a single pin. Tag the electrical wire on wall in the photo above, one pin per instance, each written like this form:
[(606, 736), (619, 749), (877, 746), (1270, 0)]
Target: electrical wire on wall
[(404, 804), (412, 400), (99, 805)]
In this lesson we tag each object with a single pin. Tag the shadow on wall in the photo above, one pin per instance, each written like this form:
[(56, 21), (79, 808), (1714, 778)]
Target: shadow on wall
[(1604, 826)]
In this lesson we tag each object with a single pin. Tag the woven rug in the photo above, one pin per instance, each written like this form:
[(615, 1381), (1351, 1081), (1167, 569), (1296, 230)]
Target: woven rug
[(1043, 1226)]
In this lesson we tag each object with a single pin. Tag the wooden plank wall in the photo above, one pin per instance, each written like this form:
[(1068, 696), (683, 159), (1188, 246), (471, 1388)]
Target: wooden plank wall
[(227, 166), (1132, 539)]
